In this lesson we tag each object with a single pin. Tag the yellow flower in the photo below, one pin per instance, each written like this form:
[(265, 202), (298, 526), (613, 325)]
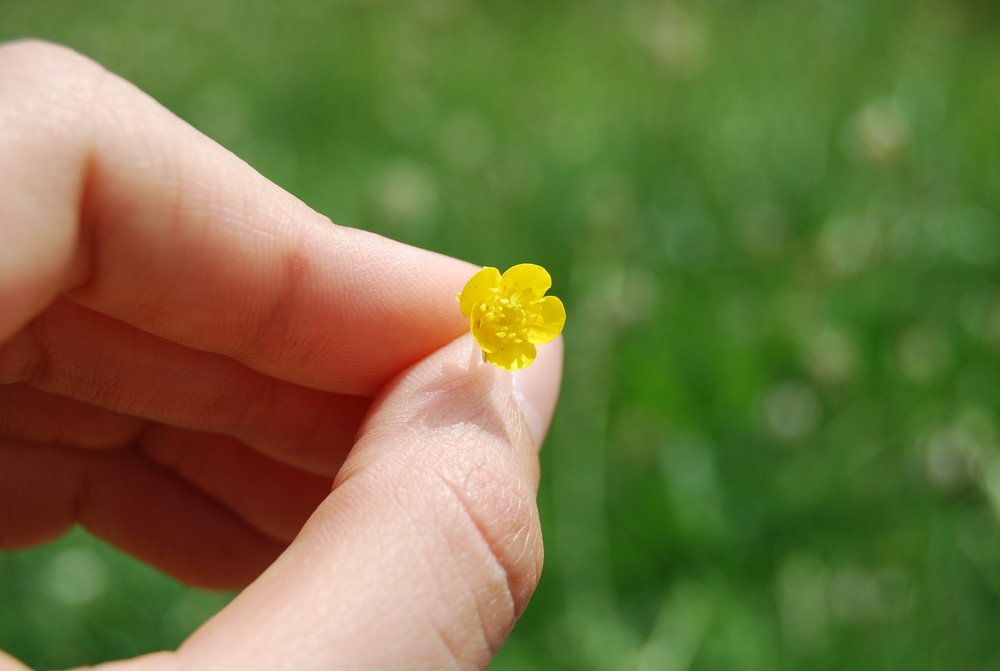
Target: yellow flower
[(509, 314)]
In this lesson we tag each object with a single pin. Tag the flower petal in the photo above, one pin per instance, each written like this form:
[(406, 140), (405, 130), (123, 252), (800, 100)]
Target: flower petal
[(480, 334), (477, 289), (527, 279), (510, 356), (551, 319)]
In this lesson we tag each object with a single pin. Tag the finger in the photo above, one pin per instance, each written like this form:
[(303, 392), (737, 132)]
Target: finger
[(8, 663), (273, 497), (428, 548), (129, 371), (123, 498), (107, 195), (30, 415)]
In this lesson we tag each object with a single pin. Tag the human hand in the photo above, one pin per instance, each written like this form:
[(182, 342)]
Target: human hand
[(191, 359)]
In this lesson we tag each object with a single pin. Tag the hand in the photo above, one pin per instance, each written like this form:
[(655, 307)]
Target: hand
[(194, 364)]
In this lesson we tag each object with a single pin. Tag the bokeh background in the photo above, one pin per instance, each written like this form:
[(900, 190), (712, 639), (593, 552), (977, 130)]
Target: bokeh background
[(775, 226)]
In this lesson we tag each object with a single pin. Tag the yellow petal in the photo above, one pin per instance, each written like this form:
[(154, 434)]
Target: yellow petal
[(477, 289), (512, 357), (528, 279), (551, 319), (484, 337)]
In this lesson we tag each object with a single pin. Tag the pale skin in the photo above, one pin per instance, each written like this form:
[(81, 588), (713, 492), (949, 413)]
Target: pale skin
[(195, 365)]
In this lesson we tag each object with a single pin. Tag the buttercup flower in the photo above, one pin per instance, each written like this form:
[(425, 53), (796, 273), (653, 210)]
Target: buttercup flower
[(509, 314)]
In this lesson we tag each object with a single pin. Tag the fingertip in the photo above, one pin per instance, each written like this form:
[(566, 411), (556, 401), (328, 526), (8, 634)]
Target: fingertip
[(536, 389), (476, 428)]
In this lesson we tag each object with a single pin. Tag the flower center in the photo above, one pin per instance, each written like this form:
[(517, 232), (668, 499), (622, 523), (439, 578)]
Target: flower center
[(505, 317)]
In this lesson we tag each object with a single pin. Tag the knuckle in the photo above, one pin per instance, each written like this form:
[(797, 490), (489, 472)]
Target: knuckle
[(504, 518)]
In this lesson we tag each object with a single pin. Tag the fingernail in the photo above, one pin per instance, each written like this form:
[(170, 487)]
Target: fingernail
[(536, 389)]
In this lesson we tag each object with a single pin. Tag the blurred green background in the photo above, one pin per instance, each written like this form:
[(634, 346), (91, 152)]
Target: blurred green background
[(775, 226)]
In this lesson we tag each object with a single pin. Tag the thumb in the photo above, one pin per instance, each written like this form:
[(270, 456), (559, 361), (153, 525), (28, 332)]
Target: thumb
[(429, 546)]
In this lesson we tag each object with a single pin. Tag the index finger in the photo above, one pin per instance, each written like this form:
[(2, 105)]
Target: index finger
[(109, 198)]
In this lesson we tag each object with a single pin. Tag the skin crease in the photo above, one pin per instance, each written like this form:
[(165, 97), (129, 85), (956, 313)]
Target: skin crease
[(204, 372)]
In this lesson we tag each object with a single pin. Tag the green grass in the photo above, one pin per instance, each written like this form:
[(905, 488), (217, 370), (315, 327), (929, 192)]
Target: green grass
[(775, 226)]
